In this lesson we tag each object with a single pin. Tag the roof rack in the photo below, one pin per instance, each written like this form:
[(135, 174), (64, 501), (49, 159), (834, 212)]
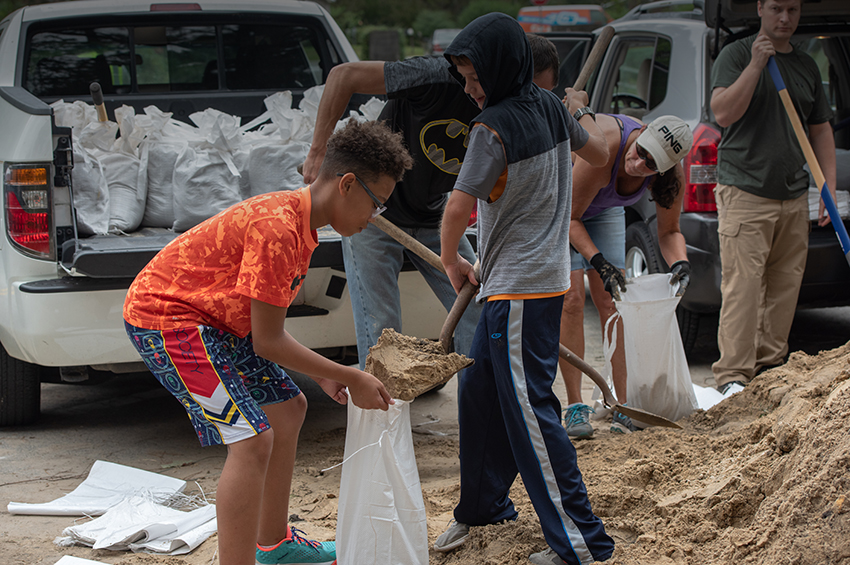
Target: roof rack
[(667, 9)]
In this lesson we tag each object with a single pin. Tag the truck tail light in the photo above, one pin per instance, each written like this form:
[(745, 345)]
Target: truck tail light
[(28, 221), (701, 171)]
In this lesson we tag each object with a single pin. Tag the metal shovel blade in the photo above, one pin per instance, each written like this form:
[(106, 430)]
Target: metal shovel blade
[(608, 398)]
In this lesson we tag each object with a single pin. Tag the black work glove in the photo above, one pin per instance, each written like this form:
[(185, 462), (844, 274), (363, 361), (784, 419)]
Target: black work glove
[(611, 275), (681, 271)]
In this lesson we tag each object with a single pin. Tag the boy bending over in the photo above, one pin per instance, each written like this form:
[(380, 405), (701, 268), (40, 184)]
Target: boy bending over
[(207, 316)]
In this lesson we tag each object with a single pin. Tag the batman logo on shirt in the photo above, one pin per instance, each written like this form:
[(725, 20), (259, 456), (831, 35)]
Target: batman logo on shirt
[(444, 143)]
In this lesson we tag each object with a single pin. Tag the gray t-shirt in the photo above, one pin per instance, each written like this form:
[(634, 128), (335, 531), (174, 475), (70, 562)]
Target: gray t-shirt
[(523, 214)]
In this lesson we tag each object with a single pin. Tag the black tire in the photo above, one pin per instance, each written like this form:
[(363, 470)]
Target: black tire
[(20, 391), (643, 259), (688, 328)]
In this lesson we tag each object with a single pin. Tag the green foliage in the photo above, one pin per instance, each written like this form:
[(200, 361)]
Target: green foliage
[(429, 20), (477, 8)]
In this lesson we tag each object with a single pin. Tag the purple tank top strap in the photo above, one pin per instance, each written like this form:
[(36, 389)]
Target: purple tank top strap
[(607, 197)]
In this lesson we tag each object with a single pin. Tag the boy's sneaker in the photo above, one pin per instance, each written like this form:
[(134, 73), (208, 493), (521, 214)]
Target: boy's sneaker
[(622, 424), (453, 537), (577, 421), (547, 557), (298, 550)]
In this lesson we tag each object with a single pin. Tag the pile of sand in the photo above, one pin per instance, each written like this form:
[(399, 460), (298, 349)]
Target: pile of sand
[(760, 478)]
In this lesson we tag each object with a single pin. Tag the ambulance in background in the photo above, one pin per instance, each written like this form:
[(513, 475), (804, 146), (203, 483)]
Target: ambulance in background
[(542, 19)]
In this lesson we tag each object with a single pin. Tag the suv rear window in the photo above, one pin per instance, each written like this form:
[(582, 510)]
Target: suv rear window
[(177, 58)]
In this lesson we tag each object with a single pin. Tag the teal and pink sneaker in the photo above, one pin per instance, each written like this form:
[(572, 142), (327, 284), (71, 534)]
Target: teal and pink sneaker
[(296, 549)]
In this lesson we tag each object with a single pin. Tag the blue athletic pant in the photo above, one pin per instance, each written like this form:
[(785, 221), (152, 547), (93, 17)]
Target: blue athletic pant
[(510, 422)]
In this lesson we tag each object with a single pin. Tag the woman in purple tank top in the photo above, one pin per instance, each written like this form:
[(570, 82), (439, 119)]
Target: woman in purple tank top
[(642, 157)]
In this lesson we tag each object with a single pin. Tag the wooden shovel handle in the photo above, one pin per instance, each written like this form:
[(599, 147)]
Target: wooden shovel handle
[(464, 297), (594, 57), (409, 242), (582, 366)]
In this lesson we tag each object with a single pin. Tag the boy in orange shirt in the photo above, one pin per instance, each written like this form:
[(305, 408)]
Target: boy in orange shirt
[(207, 316)]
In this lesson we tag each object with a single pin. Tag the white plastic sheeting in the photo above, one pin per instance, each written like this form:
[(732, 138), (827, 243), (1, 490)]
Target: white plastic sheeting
[(139, 524), (132, 514), (107, 484)]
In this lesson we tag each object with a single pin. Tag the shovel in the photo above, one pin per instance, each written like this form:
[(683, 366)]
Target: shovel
[(608, 398), (463, 299), (410, 366)]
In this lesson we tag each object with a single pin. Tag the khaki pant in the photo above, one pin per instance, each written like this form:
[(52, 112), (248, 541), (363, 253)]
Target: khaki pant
[(763, 247)]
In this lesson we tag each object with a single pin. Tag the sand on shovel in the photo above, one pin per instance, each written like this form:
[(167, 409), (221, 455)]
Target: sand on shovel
[(410, 366)]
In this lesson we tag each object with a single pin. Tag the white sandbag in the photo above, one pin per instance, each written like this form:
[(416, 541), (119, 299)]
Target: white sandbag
[(127, 190), (659, 380), (91, 194), (275, 167), (381, 515), (75, 115), (205, 185), (159, 202)]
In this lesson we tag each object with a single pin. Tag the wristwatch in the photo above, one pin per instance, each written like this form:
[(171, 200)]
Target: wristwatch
[(582, 111)]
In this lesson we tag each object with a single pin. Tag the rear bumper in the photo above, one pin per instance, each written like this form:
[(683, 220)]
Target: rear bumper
[(826, 281)]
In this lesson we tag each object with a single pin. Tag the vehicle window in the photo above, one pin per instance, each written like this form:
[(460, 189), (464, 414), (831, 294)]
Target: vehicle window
[(272, 57), (571, 52), (176, 58), (639, 81), (66, 62), (827, 54)]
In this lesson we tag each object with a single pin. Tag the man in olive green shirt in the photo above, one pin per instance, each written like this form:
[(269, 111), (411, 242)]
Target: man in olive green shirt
[(762, 208)]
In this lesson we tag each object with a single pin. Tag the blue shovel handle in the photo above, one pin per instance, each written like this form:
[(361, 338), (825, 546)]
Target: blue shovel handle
[(825, 194)]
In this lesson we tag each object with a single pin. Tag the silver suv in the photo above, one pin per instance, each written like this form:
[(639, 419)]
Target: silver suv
[(659, 62)]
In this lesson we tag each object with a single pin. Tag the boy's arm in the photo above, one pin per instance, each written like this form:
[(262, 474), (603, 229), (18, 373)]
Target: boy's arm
[(455, 220), (273, 342), (595, 151), (364, 77)]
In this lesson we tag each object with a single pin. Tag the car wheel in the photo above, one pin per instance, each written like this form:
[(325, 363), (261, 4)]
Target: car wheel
[(642, 259), (20, 391)]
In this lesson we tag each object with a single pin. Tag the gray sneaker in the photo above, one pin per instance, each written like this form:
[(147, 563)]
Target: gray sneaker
[(547, 557), (453, 537), (577, 421)]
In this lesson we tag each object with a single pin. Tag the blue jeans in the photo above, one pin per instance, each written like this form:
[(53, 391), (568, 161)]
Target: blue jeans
[(373, 261), (607, 230)]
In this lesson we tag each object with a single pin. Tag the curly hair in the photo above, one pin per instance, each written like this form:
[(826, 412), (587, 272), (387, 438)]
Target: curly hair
[(664, 189), (367, 149)]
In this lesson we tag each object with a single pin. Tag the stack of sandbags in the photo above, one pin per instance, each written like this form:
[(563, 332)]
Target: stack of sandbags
[(151, 170)]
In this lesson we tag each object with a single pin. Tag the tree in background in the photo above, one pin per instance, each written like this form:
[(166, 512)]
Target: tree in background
[(429, 20)]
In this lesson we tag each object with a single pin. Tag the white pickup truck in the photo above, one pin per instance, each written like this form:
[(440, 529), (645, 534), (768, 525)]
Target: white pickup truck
[(62, 292)]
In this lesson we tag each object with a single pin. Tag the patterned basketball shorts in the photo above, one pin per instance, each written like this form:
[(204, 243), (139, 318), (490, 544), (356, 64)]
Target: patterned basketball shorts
[(217, 378)]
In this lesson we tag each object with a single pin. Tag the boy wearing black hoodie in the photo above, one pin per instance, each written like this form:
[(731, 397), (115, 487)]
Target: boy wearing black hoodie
[(518, 169)]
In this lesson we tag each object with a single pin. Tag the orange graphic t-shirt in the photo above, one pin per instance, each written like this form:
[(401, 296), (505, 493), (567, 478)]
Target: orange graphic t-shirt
[(259, 248)]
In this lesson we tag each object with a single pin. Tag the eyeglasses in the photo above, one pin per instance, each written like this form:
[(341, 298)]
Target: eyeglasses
[(380, 207), (644, 154)]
